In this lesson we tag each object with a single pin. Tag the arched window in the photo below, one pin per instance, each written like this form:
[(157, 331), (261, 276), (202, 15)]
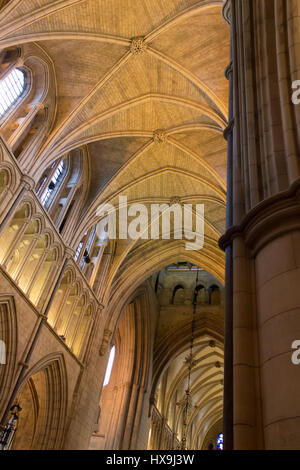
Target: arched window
[(109, 366), (220, 441), (78, 250), (56, 178), (199, 295), (86, 255), (11, 88)]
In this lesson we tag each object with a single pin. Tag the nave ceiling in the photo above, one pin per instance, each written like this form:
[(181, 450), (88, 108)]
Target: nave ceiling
[(140, 86)]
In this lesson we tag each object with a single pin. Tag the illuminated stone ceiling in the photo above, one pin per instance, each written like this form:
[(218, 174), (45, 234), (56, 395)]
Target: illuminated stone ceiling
[(141, 87)]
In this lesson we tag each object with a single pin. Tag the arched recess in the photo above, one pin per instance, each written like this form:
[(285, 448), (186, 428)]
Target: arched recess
[(9, 337), (178, 294), (28, 120), (8, 184), (214, 295), (123, 403), (43, 399), (200, 294), (57, 188)]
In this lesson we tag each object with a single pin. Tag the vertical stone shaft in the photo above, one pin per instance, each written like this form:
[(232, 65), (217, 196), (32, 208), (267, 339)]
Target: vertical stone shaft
[(265, 230)]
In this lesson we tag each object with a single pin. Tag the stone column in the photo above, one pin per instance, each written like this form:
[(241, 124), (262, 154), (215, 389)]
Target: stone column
[(265, 230), (228, 307)]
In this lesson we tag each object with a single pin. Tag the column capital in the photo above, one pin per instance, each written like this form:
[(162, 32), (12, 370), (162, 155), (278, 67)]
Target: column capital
[(268, 220)]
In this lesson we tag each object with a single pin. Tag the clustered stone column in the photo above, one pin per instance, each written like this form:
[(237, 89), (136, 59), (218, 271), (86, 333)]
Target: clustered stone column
[(264, 234)]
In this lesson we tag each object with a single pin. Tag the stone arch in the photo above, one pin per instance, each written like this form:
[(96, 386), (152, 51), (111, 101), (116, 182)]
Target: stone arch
[(43, 399), (8, 184), (5, 179), (60, 296), (43, 274), (200, 294), (178, 294), (25, 123), (20, 253), (14, 228), (9, 336)]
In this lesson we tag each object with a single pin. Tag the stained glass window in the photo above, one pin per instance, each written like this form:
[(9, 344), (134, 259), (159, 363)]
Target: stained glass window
[(220, 442)]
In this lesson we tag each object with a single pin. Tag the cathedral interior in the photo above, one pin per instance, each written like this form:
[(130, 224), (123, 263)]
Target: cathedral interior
[(140, 343)]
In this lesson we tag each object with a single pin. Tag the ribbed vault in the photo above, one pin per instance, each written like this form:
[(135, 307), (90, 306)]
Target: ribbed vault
[(140, 89)]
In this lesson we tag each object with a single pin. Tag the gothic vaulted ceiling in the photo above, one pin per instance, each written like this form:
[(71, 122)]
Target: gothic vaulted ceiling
[(140, 86)]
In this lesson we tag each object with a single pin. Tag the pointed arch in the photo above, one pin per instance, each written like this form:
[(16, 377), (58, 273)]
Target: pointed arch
[(9, 336), (44, 390)]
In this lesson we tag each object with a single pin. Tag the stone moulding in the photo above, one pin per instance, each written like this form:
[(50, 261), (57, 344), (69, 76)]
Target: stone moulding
[(268, 220)]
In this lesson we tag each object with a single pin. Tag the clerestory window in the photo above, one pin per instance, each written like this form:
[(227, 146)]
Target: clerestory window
[(11, 89), (56, 178), (109, 366)]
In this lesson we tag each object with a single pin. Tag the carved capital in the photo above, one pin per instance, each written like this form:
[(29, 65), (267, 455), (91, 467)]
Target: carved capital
[(138, 45)]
